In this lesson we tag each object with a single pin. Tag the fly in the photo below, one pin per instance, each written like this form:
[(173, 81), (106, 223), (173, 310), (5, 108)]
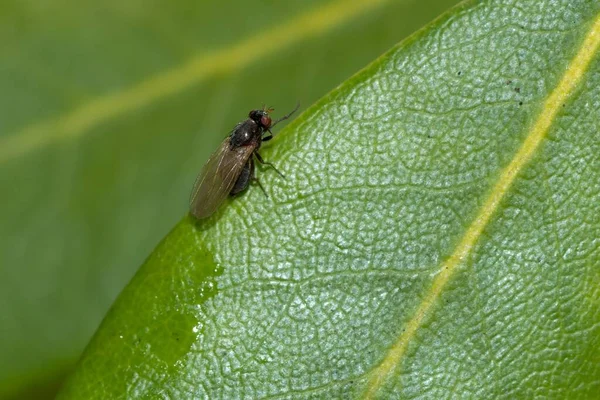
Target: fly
[(230, 169)]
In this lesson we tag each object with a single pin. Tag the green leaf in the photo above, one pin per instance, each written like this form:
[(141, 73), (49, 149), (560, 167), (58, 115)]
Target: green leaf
[(437, 236), (109, 109)]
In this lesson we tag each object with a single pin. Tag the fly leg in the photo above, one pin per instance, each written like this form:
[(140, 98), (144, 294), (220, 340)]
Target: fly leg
[(255, 179), (268, 137), (260, 160)]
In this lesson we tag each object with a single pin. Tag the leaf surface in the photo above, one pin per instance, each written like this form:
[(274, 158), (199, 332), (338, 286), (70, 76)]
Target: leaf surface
[(437, 236), (107, 112)]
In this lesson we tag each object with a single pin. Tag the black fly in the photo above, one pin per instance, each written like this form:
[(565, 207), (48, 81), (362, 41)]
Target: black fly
[(230, 169)]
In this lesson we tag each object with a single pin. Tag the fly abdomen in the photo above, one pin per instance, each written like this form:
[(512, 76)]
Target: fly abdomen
[(244, 179)]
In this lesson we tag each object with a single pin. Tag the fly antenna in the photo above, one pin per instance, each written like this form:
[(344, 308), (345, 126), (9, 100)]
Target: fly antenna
[(286, 116)]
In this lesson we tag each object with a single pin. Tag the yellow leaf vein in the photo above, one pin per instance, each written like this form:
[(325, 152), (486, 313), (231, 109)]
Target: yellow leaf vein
[(573, 75), (283, 35)]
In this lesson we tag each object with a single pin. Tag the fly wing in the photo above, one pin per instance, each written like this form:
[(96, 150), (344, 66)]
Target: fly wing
[(217, 177)]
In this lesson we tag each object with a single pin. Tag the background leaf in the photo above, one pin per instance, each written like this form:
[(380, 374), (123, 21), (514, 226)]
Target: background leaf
[(108, 109), (437, 236)]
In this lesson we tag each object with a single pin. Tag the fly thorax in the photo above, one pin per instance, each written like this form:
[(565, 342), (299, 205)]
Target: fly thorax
[(245, 134)]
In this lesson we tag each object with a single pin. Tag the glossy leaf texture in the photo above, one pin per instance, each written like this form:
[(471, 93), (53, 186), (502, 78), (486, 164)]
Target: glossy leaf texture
[(437, 236), (108, 111)]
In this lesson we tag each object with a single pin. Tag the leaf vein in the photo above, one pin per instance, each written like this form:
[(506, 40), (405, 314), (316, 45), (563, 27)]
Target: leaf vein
[(574, 74), (79, 121)]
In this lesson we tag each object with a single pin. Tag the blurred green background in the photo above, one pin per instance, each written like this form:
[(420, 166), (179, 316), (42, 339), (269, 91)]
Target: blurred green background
[(107, 112)]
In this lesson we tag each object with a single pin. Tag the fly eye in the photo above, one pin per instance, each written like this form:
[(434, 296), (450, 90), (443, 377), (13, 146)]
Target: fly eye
[(265, 121)]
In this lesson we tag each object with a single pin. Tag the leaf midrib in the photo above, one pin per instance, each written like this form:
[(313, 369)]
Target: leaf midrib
[(572, 77)]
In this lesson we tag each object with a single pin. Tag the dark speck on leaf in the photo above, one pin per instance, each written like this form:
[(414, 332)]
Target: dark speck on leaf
[(508, 82), (459, 72), (520, 103), (518, 89)]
